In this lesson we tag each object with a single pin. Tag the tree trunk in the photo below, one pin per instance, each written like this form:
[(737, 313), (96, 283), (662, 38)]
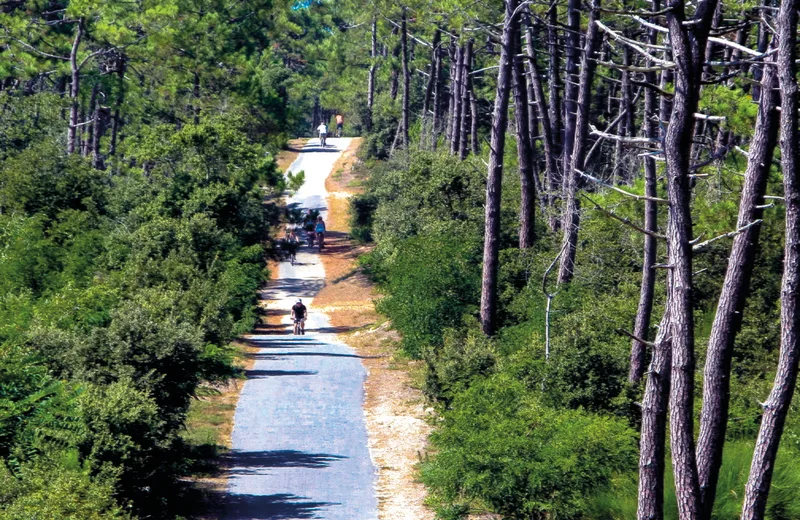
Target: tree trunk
[(371, 76), (455, 124), (527, 208), (571, 219), (451, 98), (74, 89), (644, 311), (728, 319), (196, 96), (571, 92), (495, 177), (780, 398), (626, 125), (430, 87), (437, 98), (116, 121), (466, 92), (406, 77), (554, 83), (550, 153), (87, 148), (688, 49), (652, 445), (473, 131)]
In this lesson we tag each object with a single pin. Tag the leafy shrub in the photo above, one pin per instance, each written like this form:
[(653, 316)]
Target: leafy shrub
[(502, 450), (433, 282)]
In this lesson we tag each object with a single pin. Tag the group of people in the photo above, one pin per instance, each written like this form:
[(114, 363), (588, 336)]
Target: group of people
[(322, 129), (315, 231)]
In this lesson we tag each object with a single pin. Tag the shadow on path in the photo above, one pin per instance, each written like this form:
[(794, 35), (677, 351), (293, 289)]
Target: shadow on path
[(280, 459), (263, 374), (271, 507)]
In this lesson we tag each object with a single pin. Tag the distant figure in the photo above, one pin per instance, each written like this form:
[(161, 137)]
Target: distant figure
[(323, 133), (299, 315), (339, 124), (319, 229)]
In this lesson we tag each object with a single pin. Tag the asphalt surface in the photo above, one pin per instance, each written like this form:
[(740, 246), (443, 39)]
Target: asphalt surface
[(299, 442)]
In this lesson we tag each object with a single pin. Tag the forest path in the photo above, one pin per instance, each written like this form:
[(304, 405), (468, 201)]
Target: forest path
[(299, 442)]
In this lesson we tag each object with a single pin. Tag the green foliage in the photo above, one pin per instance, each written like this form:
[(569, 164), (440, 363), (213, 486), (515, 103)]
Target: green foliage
[(433, 282), (618, 501), (501, 448)]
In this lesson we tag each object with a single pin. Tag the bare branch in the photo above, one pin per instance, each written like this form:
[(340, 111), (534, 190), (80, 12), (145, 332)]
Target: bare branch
[(635, 338), (623, 192), (703, 245), (624, 139), (628, 222)]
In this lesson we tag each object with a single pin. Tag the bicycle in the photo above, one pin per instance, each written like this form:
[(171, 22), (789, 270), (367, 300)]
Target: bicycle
[(298, 330), (323, 139)]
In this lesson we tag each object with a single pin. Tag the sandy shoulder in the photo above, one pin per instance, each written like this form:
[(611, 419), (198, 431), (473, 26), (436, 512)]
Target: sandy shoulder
[(394, 407)]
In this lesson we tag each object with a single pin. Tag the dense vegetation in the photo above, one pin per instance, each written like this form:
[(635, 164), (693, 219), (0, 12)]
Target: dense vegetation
[(524, 290), (137, 146)]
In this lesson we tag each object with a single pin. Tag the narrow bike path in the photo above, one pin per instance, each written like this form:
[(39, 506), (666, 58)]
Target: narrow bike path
[(299, 442)]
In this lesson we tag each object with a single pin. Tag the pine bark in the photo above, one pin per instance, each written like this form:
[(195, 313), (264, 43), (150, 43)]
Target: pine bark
[(652, 445), (488, 312), (74, 89), (730, 309), (371, 75), (524, 156), (688, 49), (455, 123), (572, 42), (580, 130), (466, 92), (552, 180), (116, 121), (406, 77), (641, 328), (777, 405), (430, 87)]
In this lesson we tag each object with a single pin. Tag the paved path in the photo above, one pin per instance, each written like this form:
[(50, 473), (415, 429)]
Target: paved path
[(299, 439)]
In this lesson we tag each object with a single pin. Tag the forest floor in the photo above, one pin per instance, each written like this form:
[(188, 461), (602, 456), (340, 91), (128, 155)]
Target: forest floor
[(394, 406)]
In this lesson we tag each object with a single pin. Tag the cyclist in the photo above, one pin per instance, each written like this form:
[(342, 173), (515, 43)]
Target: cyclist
[(339, 124), (299, 315), (319, 229), (322, 129)]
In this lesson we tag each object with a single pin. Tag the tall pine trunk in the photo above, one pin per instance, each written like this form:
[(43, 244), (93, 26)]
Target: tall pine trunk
[(641, 328), (780, 398), (688, 50), (494, 182), (728, 319), (74, 89), (571, 215), (466, 93), (527, 208), (406, 76), (652, 445), (373, 53)]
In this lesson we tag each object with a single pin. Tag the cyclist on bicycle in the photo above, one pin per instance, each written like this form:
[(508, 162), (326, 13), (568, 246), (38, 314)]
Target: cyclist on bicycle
[(322, 129), (319, 229), (339, 124), (299, 315)]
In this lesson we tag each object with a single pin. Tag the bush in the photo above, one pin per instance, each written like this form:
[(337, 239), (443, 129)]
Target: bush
[(433, 281), (502, 450)]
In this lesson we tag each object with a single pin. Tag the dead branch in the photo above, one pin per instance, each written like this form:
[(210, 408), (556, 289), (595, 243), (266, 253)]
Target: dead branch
[(625, 220), (703, 245)]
